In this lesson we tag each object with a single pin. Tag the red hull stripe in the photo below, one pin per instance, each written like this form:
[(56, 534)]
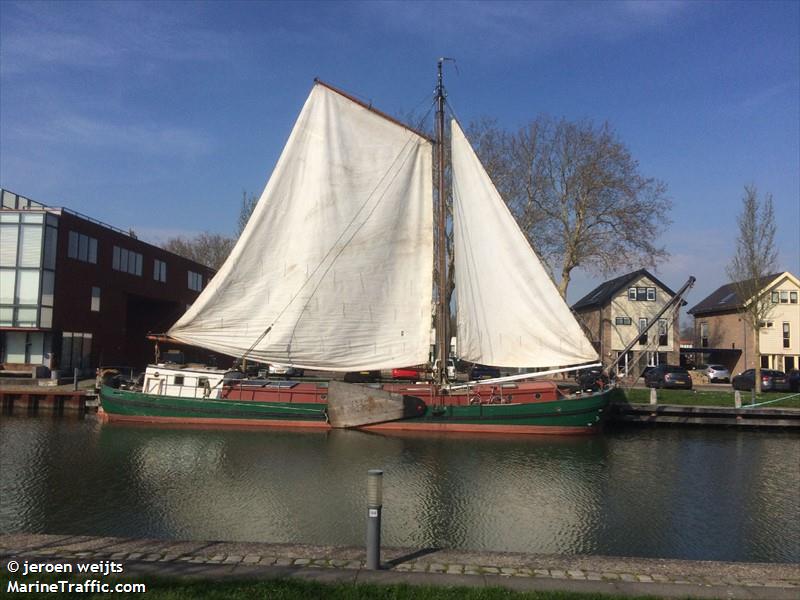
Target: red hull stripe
[(394, 426)]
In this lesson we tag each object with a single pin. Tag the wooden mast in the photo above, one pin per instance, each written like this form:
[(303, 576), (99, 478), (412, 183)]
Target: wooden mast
[(442, 310)]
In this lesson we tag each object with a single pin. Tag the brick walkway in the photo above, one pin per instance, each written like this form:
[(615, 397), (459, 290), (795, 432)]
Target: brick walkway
[(622, 576)]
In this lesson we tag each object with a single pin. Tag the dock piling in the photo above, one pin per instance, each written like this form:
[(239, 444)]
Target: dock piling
[(374, 507)]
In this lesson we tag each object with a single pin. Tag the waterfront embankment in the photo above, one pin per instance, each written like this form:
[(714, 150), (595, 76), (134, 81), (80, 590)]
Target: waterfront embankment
[(617, 576)]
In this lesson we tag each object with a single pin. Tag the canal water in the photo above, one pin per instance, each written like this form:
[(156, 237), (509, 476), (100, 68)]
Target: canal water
[(672, 493)]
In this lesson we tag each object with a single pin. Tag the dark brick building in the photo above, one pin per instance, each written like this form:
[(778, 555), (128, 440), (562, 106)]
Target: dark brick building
[(76, 293)]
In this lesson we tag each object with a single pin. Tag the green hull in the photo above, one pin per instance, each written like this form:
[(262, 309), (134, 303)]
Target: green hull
[(569, 415)]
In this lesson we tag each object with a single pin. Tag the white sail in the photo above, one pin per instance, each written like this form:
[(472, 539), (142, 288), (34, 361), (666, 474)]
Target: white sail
[(338, 254), (509, 311)]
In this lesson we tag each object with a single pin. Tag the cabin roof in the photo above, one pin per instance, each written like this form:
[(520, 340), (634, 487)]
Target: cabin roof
[(725, 298)]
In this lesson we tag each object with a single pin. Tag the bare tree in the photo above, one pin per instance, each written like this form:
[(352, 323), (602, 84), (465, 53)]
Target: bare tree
[(750, 269), (577, 193), (210, 249), (249, 202)]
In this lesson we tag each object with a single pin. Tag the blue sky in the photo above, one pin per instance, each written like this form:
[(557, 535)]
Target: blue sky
[(155, 116)]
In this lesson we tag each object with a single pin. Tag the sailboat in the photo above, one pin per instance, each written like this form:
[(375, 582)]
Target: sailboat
[(335, 272)]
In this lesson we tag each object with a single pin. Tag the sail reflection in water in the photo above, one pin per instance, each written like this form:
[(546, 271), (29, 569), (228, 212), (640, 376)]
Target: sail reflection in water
[(716, 495)]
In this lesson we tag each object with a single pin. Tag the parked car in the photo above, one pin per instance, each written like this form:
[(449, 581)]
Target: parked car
[(286, 370), (362, 376), (591, 379), (483, 372), (717, 373), (668, 376), (793, 377), (410, 373), (771, 380)]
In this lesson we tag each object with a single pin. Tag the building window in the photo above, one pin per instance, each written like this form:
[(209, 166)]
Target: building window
[(766, 324), (642, 327), (82, 247), (178, 380), (95, 299), (704, 335), (786, 343), (662, 332), (622, 321), (793, 297), (642, 294), (126, 261), (775, 297), (159, 270), (784, 297), (195, 281)]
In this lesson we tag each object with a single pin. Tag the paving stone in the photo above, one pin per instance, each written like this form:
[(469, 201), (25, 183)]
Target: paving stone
[(217, 558), (492, 570), (455, 569), (119, 556), (592, 576), (338, 562), (627, 577), (135, 555), (436, 568), (234, 558), (283, 562), (170, 557), (541, 573), (774, 584), (420, 568), (403, 567), (152, 557), (268, 560), (753, 584), (353, 564), (556, 574), (301, 562), (682, 582), (83, 554), (576, 574), (524, 571), (507, 571), (471, 572), (645, 578), (198, 560), (661, 578)]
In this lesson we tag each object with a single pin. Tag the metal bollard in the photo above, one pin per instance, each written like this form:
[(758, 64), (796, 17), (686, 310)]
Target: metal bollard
[(737, 399), (75, 379), (653, 396), (374, 506)]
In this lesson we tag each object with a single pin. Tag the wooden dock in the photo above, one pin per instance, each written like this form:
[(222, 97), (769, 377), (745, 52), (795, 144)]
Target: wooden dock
[(719, 416), (36, 401)]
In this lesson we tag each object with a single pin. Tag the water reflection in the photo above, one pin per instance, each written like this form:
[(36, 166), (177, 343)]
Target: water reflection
[(721, 495)]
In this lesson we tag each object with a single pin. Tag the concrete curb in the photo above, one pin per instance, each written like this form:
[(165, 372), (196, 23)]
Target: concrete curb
[(330, 564)]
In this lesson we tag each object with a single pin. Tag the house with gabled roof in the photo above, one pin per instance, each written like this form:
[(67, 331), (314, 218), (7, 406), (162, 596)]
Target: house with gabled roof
[(617, 311), (723, 335)]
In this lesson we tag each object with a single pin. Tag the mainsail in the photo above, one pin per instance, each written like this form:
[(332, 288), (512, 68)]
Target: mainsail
[(509, 311), (337, 256)]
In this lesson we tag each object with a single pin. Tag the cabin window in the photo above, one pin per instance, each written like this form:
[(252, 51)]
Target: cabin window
[(95, 305), (202, 382), (786, 343), (622, 321), (178, 380)]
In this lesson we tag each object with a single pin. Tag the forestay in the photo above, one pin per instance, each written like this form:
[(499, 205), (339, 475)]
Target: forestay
[(338, 254), (509, 311)]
